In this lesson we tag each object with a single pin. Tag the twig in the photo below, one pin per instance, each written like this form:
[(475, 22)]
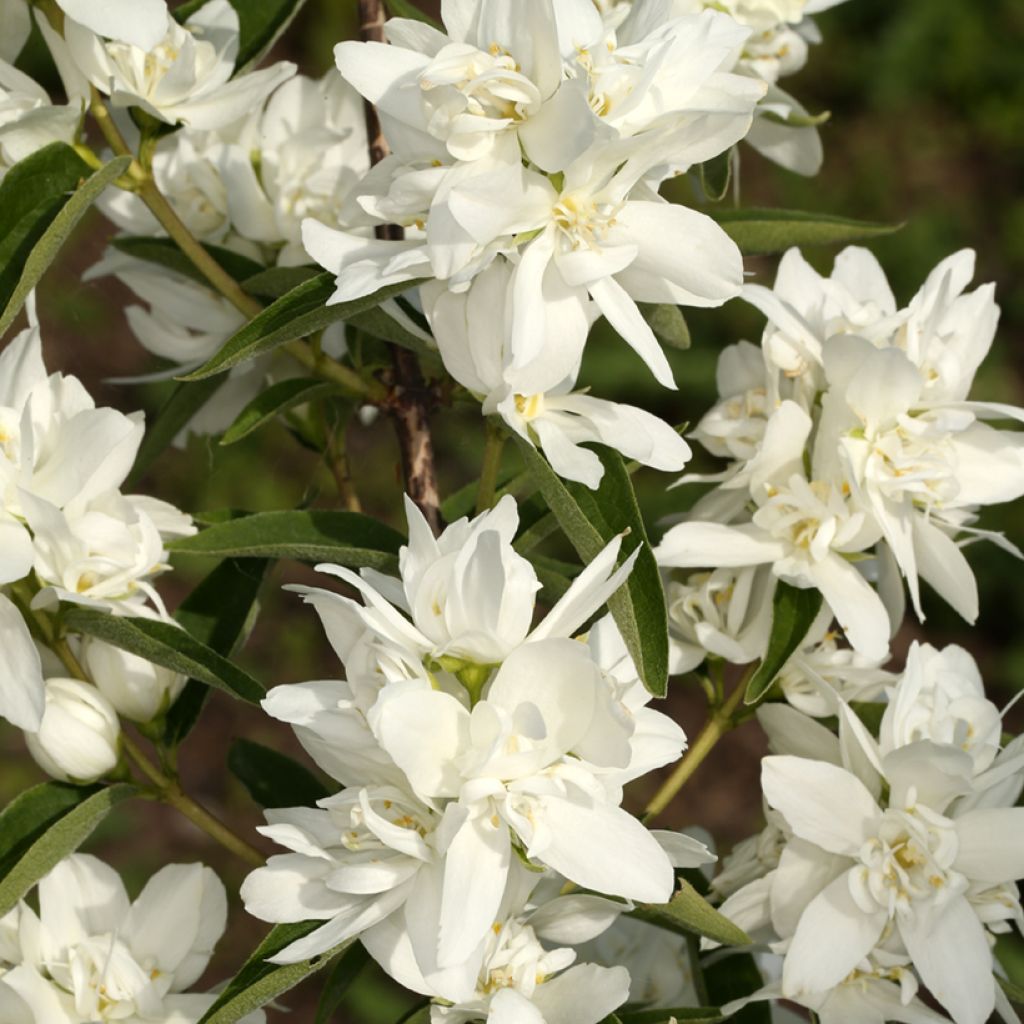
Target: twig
[(490, 468), (411, 399)]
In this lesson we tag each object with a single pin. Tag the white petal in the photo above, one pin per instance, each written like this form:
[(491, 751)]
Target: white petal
[(833, 936), (570, 920), (941, 563), (857, 606), (584, 994), (953, 957), (22, 695), (991, 844), (476, 867), (141, 23), (79, 898), (823, 804), (706, 545)]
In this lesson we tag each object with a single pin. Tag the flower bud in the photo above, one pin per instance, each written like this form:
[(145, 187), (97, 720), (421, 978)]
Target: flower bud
[(79, 738), (137, 688)]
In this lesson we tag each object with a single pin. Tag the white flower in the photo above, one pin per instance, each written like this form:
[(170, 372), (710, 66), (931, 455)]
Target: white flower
[(725, 613), (353, 863), (28, 121), (505, 762), (136, 688), (941, 697), (309, 147), (862, 874), (183, 73), (522, 981), (804, 528), (536, 399), (93, 956), (459, 617), (79, 737)]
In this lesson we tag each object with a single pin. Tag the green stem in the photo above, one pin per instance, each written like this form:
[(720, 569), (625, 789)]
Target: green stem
[(719, 724), (491, 466)]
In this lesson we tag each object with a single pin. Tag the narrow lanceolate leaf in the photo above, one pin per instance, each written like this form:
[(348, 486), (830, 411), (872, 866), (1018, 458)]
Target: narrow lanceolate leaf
[(307, 535), (734, 977), (166, 645), (162, 252), (590, 519), (343, 973), (220, 613), (379, 324), (273, 779), (408, 9), (793, 611), (716, 176), (688, 911), (761, 232), (668, 324), (258, 982), (261, 23), (275, 401), (50, 233), (274, 282), (300, 312), (43, 825), (177, 412)]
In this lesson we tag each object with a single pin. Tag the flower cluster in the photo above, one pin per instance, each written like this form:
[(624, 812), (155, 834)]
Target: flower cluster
[(855, 453), (90, 956), (904, 850), (483, 759), (68, 534)]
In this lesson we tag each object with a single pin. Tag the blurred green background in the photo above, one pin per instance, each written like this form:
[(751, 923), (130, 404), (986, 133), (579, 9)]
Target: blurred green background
[(927, 128)]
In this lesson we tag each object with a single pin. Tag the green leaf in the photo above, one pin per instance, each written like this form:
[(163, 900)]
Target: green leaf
[(590, 519), (716, 176), (307, 535), (42, 826), (259, 982), (734, 977), (163, 252), (378, 324), (684, 1014), (177, 412), (407, 9), (275, 401), (689, 912), (793, 611), (274, 282), (344, 972), (760, 232), (220, 614), (870, 713), (49, 223), (166, 645), (261, 24), (668, 324), (273, 779), (300, 312)]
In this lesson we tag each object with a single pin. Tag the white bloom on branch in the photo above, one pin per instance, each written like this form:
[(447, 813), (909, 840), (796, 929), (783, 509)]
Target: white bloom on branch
[(28, 121), (91, 955), (78, 739), (182, 74)]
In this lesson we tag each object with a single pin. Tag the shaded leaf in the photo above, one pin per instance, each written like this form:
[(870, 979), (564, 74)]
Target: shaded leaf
[(688, 911), (408, 9), (734, 977), (668, 324), (276, 400), (379, 324), (273, 779), (590, 519), (760, 232), (167, 645), (716, 176), (47, 226), (175, 415), (219, 613), (261, 23), (42, 826), (274, 282), (258, 982), (343, 973), (307, 535), (793, 611), (300, 312)]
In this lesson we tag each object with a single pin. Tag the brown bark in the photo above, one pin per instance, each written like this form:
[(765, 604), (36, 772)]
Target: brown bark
[(411, 400)]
